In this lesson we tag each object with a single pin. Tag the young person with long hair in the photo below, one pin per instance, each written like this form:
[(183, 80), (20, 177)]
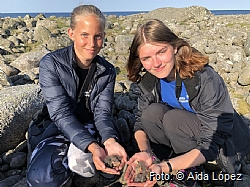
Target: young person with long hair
[(185, 116)]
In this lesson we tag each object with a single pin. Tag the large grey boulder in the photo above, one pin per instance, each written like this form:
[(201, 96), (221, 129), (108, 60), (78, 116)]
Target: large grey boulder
[(18, 103), (41, 34), (195, 13), (30, 60)]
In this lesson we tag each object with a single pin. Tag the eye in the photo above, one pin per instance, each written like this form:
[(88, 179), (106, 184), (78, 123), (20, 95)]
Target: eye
[(145, 59), (85, 35), (163, 50), (99, 37)]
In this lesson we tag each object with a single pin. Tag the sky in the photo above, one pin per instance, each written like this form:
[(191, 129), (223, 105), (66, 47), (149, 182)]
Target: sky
[(44, 6)]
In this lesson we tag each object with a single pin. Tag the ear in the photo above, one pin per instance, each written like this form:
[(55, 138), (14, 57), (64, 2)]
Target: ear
[(175, 50), (71, 34)]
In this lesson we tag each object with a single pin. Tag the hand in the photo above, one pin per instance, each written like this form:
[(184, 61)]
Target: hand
[(150, 181), (141, 156), (112, 147), (130, 171), (98, 155)]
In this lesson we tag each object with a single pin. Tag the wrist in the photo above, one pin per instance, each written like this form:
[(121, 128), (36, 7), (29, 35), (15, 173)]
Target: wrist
[(109, 141), (159, 165), (167, 166), (155, 160), (93, 146)]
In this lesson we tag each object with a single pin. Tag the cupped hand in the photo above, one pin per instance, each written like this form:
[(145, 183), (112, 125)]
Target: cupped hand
[(112, 147), (130, 171), (141, 156), (99, 155), (154, 169)]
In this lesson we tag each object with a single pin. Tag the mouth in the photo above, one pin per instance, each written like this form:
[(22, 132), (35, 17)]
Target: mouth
[(159, 69), (90, 50)]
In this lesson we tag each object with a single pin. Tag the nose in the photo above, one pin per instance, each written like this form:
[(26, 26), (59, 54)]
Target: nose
[(156, 62), (91, 41)]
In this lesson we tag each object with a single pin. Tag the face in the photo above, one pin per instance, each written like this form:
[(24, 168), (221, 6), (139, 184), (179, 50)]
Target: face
[(88, 38), (158, 59)]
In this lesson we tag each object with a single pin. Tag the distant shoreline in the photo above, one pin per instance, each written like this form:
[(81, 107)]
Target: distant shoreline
[(120, 13)]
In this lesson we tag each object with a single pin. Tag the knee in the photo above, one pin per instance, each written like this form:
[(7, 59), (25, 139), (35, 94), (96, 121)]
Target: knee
[(43, 170), (171, 120), (38, 177), (34, 178), (154, 112)]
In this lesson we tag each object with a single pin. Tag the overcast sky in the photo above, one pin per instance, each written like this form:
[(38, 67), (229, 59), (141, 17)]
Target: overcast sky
[(43, 6)]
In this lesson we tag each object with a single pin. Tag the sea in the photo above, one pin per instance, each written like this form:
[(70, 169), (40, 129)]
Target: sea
[(67, 14)]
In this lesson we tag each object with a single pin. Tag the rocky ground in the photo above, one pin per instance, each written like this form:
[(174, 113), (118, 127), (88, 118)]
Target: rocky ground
[(24, 41)]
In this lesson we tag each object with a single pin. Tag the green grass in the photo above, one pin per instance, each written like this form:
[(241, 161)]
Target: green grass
[(241, 24)]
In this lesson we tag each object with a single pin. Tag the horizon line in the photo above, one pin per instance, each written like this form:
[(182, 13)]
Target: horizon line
[(119, 11)]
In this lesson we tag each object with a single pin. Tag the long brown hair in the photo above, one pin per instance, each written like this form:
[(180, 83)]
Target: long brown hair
[(188, 59)]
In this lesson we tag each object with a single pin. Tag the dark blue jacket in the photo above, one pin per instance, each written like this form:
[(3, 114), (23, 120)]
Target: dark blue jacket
[(59, 83)]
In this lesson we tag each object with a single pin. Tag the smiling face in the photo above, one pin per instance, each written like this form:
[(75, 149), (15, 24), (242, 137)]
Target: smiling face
[(87, 36), (158, 59)]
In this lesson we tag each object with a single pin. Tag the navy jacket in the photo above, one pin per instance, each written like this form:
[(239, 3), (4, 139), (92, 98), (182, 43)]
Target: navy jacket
[(223, 134), (59, 83)]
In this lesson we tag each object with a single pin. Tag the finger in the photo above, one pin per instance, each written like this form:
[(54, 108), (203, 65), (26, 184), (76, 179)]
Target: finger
[(125, 156), (99, 164), (131, 160), (121, 165), (111, 171), (150, 183), (129, 174)]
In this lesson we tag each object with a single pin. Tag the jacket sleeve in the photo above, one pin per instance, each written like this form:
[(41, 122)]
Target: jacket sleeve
[(144, 100), (58, 102), (216, 112), (104, 104)]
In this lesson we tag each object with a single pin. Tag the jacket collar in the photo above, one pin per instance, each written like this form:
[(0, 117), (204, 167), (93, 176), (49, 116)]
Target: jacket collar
[(192, 85), (72, 56)]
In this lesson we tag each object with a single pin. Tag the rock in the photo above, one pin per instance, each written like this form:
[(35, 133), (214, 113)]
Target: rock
[(123, 129), (21, 183), (244, 76), (10, 181), (4, 80), (244, 182), (9, 70), (18, 160), (195, 13), (225, 39), (42, 34), (30, 60), (247, 45), (124, 103), (17, 107), (6, 45)]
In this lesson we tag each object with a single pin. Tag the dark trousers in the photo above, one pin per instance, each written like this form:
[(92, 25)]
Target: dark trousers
[(170, 129)]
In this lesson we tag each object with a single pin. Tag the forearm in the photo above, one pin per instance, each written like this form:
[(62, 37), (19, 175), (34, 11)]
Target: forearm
[(187, 160), (142, 141)]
